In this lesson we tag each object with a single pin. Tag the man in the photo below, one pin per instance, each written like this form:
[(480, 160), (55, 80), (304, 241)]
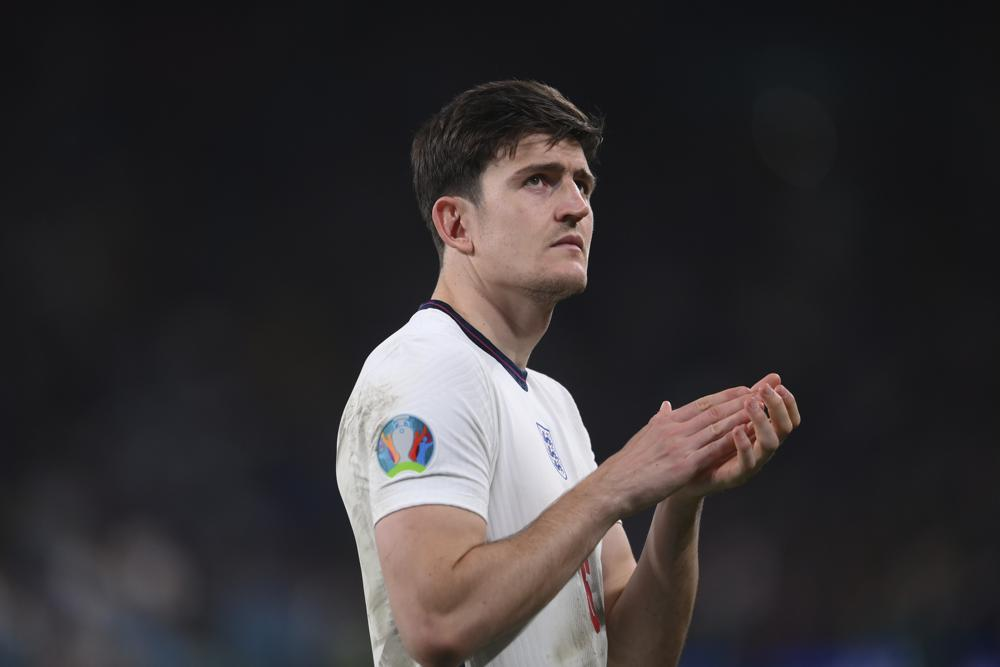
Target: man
[(485, 529)]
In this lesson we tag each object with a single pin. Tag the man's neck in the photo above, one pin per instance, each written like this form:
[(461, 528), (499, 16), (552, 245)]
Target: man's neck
[(512, 321)]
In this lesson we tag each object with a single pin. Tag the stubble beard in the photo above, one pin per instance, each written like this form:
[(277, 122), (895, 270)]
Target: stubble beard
[(550, 290)]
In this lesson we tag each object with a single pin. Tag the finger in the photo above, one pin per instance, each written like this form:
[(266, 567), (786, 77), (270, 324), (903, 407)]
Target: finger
[(706, 403), (716, 428), (772, 379), (714, 413), (790, 405), (744, 448), (665, 407), (778, 412), (714, 452), (767, 439)]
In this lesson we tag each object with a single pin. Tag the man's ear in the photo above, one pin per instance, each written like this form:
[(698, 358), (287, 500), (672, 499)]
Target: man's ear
[(451, 220)]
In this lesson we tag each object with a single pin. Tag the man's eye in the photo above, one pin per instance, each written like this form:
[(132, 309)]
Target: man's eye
[(537, 179), (583, 187)]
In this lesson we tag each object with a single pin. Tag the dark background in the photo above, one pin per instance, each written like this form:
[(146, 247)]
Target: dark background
[(207, 224)]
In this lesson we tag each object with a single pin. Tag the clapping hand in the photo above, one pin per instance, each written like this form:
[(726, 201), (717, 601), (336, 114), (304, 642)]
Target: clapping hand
[(755, 441)]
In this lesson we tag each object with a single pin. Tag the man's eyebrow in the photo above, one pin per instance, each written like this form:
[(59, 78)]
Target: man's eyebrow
[(555, 167)]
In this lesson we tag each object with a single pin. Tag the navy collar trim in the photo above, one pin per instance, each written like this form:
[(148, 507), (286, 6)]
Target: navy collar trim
[(519, 374)]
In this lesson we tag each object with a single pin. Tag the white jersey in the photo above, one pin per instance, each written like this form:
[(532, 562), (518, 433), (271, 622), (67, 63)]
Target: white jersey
[(439, 415)]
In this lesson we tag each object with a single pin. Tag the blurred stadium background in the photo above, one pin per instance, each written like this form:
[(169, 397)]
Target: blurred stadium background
[(207, 224)]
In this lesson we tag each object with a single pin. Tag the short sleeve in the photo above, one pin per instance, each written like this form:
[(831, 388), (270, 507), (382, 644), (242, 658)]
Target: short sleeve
[(434, 434)]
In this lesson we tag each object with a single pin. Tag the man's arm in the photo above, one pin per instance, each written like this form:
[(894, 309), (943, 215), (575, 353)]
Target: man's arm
[(452, 593), (648, 617)]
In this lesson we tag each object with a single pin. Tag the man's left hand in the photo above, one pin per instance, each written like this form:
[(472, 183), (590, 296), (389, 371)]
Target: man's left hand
[(756, 441)]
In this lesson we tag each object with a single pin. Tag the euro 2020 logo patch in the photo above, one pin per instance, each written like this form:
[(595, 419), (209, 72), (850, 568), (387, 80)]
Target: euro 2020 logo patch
[(405, 444), (550, 447)]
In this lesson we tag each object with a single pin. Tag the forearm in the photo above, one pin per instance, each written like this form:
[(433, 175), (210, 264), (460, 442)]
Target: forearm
[(496, 587), (649, 621)]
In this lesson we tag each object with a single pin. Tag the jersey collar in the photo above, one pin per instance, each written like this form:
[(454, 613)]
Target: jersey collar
[(519, 374)]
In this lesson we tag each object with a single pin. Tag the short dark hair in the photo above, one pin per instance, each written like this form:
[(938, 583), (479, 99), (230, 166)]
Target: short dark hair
[(453, 148)]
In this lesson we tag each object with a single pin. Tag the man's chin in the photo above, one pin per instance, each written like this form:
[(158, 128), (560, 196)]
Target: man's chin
[(554, 289)]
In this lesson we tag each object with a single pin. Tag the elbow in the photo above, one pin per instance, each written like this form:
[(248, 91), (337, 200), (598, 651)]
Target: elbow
[(434, 641)]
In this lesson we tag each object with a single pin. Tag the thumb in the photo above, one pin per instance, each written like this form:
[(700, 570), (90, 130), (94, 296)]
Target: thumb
[(665, 407)]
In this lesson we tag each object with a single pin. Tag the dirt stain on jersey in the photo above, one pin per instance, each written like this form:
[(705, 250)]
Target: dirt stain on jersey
[(355, 453)]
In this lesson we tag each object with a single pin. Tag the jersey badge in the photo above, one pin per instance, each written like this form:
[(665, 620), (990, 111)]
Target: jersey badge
[(550, 447), (404, 444)]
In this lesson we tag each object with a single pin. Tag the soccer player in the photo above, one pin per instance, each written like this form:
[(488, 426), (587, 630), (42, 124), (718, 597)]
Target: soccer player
[(486, 531)]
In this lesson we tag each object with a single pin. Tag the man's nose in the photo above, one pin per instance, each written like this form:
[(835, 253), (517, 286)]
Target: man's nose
[(573, 206)]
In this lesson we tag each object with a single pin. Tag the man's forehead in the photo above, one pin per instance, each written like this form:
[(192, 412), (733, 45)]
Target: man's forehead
[(536, 147)]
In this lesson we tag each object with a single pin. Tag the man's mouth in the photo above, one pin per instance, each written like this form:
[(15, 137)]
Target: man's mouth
[(570, 240)]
